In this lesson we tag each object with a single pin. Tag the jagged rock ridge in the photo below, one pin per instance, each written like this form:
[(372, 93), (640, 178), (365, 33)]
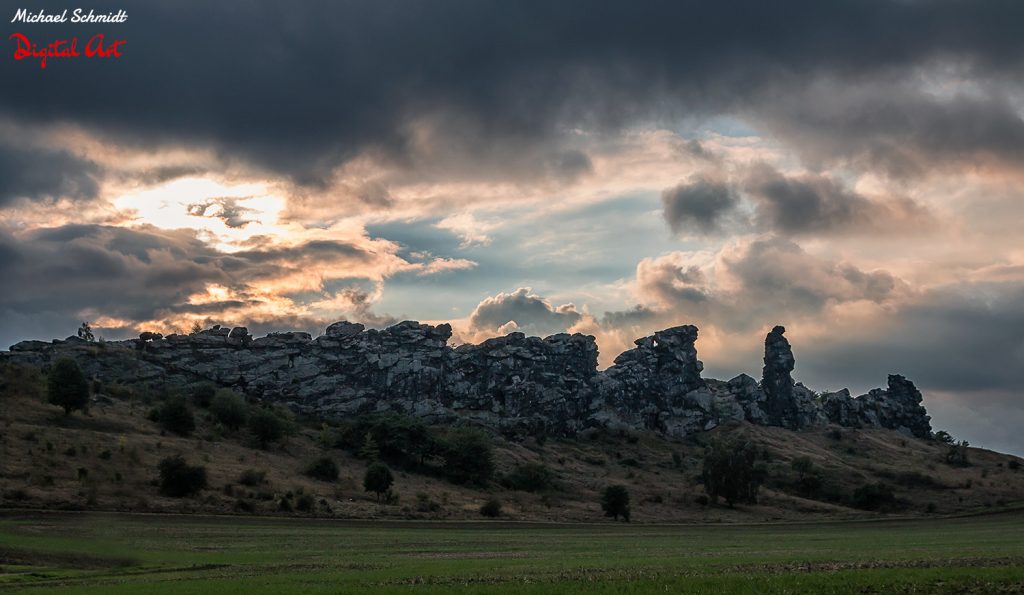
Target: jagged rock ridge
[(516, 384)]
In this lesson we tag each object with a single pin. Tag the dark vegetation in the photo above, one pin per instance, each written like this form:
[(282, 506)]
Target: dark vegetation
[(385, 453), (67, 386)]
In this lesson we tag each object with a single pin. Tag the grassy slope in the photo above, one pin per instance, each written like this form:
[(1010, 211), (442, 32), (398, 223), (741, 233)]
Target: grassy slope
[(38, 471), (98, 553)]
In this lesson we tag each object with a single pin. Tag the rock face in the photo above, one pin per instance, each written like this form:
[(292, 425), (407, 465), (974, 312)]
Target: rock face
[(516, 384), (786, 403)]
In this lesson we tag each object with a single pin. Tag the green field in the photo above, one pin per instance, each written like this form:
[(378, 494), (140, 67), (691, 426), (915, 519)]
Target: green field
[(105, 553)]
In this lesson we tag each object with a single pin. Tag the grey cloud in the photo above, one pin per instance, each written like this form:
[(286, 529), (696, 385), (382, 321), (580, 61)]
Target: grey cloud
[(700, 205), (531, 313), (139, 274), (40, 174), (325, 81), (226, 209), (815, 204)]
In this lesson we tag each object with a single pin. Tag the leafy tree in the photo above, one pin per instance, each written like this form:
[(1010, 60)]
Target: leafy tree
[(203, 394), (369, 450), (179, 479), (615, 502), (67, 386), (266, 426), (85, 332), (872, 496), (944, 437), (229, 409), (957, 454), (730, 472), (469, 456), (378, 479), (197, 327), (175, 417), (491, 508), (324, 469)]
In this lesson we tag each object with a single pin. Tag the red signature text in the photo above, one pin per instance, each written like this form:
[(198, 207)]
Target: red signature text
[(96, 47)]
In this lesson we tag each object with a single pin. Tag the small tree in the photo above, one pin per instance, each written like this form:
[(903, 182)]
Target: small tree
[(266, 427), (196, 328), (944, 437), (469, 457), (491, 509), (85, 332), (378, 479), (228, 408), (203, 394), (369, 451), (529, 477), (615, 502), (324, 469), (957, 454), (730, 472), (179, 479), (67, 386), (175, 417)]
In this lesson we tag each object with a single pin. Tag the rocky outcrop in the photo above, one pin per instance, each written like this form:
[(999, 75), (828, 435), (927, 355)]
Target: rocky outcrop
[(786, 403), (516, 384)]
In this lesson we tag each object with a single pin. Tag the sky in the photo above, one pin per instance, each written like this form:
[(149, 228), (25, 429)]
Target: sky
[(850, 169)]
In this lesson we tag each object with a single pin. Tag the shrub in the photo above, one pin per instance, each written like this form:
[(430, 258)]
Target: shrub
[(378, 479), (266, 426), (228, 408), (175, 417), (944, 437), (730, 472), (701, 499), (491, 509), (179, 479), (469, 457), (677, 459), (203, 394), (252, 477), (835, 434), (305, 503), (402, 440), (424, 503), (67, 386), (957, 454), (1013, 465), (615, 502), (284, 505), (872, 496), (324, 469), (530, 477)]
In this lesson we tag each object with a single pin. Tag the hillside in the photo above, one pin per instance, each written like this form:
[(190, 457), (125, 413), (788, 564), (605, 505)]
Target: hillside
[(107, 459)]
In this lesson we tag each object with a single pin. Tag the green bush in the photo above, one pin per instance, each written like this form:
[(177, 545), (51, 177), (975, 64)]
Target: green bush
[(469, 457), (491, 508), (229, 409), (378, 479), (615, 502), (179, 479), (529, 477), (67, 386), (266, 426), (404, 441), (1013, 465), (872, 496), (731, 472), (252, 477), (175, 417), (305, 503), (203, 394), (323, 469)]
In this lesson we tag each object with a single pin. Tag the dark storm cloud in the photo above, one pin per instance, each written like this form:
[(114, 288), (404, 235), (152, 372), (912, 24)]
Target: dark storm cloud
[(531, 313), (896, 128), (142, 273), (39, 174), (698, 205), (300, 88), (813, 204)]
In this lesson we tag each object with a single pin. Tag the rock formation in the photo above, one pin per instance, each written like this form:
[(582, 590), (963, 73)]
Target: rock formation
[(516, 384)]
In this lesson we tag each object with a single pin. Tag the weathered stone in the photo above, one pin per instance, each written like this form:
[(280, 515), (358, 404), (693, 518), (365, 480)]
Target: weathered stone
[(516, 384)]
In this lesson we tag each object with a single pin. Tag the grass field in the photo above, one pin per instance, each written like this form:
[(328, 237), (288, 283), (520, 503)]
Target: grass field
[(100, 553)]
